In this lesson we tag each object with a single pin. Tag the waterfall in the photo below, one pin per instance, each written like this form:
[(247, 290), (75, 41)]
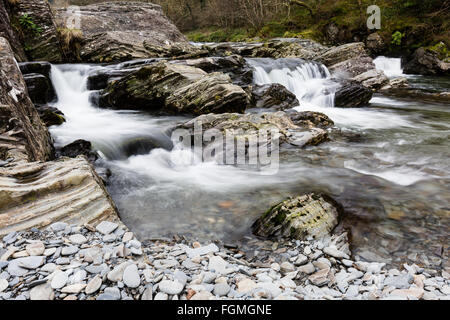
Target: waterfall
[(309, 81), (392, 67), (112, 132)]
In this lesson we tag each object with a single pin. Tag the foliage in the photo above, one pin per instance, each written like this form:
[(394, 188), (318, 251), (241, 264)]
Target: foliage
[(27, 23), (397, 38)]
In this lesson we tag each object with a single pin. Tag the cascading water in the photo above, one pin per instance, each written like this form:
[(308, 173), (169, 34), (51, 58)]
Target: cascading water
[(111, 132), (309, 81), (392, 67)]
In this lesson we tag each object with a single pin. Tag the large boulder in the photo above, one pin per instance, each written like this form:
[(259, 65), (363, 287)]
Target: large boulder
[(8, 32), (244, 126), (273, 96), (313, 215), (426, 62), (40, 89), (351, 94), (40, 37), (175, 88), (22, 134), (375, 44), (119, 31), (37, 194)]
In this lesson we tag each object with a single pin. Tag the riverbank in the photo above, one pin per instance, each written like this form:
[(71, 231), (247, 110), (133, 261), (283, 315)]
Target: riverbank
[(107, 262)]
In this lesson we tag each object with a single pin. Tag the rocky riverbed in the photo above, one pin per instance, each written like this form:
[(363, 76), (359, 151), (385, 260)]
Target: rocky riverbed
[(107, 262)]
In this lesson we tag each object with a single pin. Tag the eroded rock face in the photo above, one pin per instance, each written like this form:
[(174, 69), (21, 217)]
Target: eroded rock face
[(175, 88), (43, 43), (351, 94), (426, 62), (8, 32), (22, 134), (119, 31), (273, 96), (37, 194), (306, 215)]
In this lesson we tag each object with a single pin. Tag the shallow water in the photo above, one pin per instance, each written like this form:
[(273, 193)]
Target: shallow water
[(387, 164)]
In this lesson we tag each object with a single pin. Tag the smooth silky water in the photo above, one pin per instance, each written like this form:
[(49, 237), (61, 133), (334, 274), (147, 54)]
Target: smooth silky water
[(387, 164)]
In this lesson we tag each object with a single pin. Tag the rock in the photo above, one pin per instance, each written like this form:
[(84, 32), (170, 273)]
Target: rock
[(217, 264), (67, 251), (77, 239), (175, 88), (148, 294), (286, 267), (131, 276), (242, 126), (272, 288), (59, 280), (202, 295), (29, 262), (76, 148), (403, 281), (351, 94), (320, 278), (39, 88), (3, 285), (42, 292), (78, 277), (342, 53), (415, 293), (170, 287), (78, 195), (311, 119), (127, 236), (117, 273), (246, 285), (301, 260), (43, 44), (307, 215), (200, 251), (273, 96), (58, 226), (373, 79), (375, 43), (9, 32), (39, 67), (23, 135), (221, 289), (334, 252), (161, 296), (426, 62), (74, 288), (35, 249), (93, 285), (119, 31), (50, 116), (106, 227)]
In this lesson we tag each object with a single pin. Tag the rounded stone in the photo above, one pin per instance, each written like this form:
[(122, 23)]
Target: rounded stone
[(94, 285), (59, 280), (131, 276), (170, 287)]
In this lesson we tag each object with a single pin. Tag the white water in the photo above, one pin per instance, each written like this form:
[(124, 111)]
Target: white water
[(106, 129), (392, 67)]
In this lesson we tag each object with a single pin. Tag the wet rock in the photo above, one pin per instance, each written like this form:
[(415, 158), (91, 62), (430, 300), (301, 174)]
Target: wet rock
[(76, 148), (177, 89), (306, 215), (39, 88), (351, 94), (426, 62), (273, 96), (311, 119), (50, 116)]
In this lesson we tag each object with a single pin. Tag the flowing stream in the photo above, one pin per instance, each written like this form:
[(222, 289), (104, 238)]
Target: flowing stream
[(387, 164)]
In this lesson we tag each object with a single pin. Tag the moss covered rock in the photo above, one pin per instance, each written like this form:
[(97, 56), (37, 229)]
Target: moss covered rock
[(306, 215)]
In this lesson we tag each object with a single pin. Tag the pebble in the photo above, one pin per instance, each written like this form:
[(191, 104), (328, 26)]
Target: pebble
[(67, 251), (35, 249), (106, 227), (131, 276), (170, 287), (59, 280), (77, 239), (3, 284), (221, 289), (286, 267), (161, 296), (42, 292), (94, 285)]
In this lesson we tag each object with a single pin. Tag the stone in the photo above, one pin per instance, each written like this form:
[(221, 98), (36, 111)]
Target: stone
[(218, 264), (128, 236), (32, 262), (79, 276), (426, 62), (42, 292), (170, 287), (58, 226), (76, 148), (161, 296), (301, 260), (273, 96), (307, 268), (352, 94), (40, 88), (320, 278), (286, 267), (3, 285), (147, 294), (176, 89), (35, 249), (415, 293), (77, 239), (131, 276), (246, 285), (106, 227), (403, 281), (93, 285), (307, 215), (200, 251), (59, 280), (221, 289), (10, 33), (74, 288), (67, 251), (334, 252), (202, 295)]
